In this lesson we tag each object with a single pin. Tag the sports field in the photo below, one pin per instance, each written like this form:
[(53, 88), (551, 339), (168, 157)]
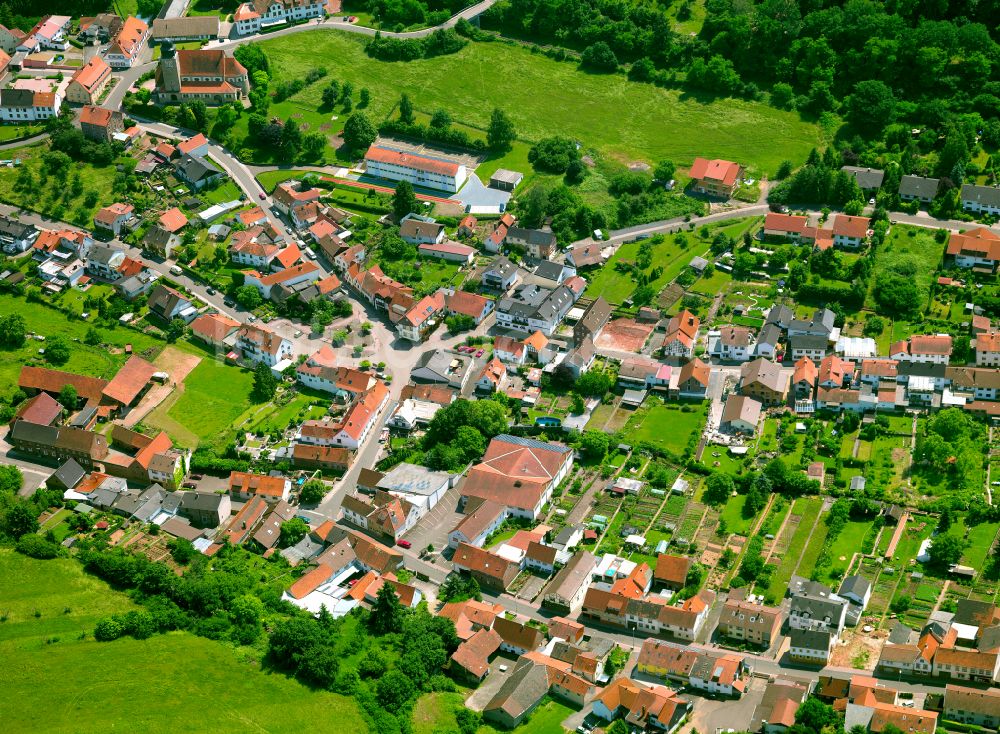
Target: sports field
[(55, 682), (623, 119)]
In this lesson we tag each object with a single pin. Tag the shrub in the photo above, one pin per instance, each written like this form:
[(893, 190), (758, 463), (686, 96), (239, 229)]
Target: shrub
[(36, 546)]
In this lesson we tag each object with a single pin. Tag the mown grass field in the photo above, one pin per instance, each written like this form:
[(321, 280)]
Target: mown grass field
[(215, 395), (624, 119), (665, 426), (168, 683), (86, 360)]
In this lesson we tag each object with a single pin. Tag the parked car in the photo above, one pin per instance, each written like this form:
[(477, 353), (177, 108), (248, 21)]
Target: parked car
[(196, 477), (189, 485), (261, 196), (404, 544), (210, 291)]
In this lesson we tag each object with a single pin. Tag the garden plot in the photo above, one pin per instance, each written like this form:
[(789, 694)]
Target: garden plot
[(803, 518)]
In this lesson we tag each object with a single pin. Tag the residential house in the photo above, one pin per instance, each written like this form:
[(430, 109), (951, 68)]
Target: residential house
[(470, 616), (741, 414), (114, 217), (693, 379), (648, 616), (764, 381), (161, 241), (283, 282), (482, 519), (566, 591), (869, 179), (850, 231), (101, 28), (586, 256), (244, 485), (169, 304), (128, 44), (463, 303), (500, 274), (811, 646), (980, 199), (206, 509), (976, 248), (25, 105), (804, 378), (214, 329), (467, 227), (594, 318), (86, 86), (733, 344), (918, 188), (446, 368), (923, 349), (59, 443), (208, 75), (517, 637), (682, 333), (971, 665), (642, 705), (722, 675), (525, 687), (980, 707), (775, 714), (420, 170), (385, 516), (715, 177), (104, 261), (488, 569), (520, 473), (532, 308), (785, 226), (988, 349), (816, 607), (422, 318), (258, 15), (98, 123), (493, 377), (257, 246), (975, 382), (753, 623), (260, 344), (539, 244), (419, 231)]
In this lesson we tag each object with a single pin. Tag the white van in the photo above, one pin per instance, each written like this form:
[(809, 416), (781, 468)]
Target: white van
[(176, 270)]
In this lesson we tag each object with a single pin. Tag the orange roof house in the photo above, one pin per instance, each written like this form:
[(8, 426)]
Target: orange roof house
[(715, 177), (130, 381), (172, 220)]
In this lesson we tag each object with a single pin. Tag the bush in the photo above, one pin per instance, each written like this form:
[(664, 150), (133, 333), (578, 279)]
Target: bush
[(36, 546)]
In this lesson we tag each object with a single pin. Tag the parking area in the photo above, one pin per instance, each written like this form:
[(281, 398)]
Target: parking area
[(480, 199), (433, 528), (712, 715)]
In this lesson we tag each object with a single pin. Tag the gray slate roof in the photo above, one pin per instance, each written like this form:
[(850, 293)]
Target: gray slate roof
[(983, 195), (867, 178), (919, 187)]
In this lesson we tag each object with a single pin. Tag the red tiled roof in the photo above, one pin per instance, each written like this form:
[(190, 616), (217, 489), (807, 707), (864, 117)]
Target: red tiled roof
[(715, 170), (672, 569), (134, 375), (289, 256), (256, 484), (311, 581), (847, 226), (192, 143), (409, 160), (42, 409), (173, 219), (214, 326), (805, 371), (980, 242), (785, 223), (88, 76), (52, 381)]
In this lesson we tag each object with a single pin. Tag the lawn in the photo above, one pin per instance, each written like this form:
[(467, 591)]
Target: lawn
[(667, 427), (49, 322), (269, 179), (808, 508), (732, 513), (848, 543), (17, 132), (214, 396), (980, 540), (53, 198), (914, 245), (552, 97), (113, 680), (227, 191)]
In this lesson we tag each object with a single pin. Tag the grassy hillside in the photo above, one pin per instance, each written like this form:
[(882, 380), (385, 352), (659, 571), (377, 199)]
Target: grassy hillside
[(168, 683), (625, 120)]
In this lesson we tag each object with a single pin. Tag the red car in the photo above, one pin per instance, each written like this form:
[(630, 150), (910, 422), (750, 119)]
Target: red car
[(404, 544), (262, 196)]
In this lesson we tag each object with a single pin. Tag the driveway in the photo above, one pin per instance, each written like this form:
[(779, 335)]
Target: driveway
[(480, 199), (433, 528), (712, 715)]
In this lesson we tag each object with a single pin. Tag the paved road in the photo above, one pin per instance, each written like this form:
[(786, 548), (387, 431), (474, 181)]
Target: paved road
[(468, 14)]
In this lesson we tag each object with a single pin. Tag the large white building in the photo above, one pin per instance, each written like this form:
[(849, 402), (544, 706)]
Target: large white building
[(251, 17), (26, 105), (419, 170)]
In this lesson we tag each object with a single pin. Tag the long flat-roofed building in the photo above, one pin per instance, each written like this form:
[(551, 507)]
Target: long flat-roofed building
[(420, 170)]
